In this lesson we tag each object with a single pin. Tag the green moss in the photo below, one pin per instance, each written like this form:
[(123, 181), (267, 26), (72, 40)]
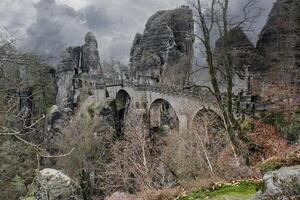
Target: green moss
[(243, 190)]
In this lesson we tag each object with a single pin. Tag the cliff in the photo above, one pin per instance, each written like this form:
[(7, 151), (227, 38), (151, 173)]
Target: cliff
[(163, 53), (242, 52), (279, 50), (75, 62)]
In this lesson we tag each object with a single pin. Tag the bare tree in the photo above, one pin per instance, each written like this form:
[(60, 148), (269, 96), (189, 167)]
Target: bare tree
[(212, 19), (23, 115)]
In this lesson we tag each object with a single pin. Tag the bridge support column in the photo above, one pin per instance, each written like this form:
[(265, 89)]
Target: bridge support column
[(155, 118), (183, 123)]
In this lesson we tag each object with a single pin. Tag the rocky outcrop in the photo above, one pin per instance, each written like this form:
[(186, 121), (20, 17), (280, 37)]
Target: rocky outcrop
[(55, 185), (241, 51), (115, 70), (75, 62), (279, 50), (90, 55), (164, 52), (242, 54), (281, 184), (74, 75), (64, 79)]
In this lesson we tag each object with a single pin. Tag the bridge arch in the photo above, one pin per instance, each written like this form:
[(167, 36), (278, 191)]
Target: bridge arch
[(122, 105), (207, 119), (122, 100), (161, 112)]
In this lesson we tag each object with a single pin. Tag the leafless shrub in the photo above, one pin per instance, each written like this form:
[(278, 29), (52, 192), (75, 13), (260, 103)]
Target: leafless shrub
[(135, 160)]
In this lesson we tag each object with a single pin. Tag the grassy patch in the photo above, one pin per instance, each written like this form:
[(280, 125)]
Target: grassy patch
[(240, 191)]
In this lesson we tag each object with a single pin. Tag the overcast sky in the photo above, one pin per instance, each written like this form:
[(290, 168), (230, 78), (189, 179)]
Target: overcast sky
[(49, 26)]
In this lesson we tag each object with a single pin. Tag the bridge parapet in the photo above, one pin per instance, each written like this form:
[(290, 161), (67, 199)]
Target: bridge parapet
[(186, 91), (187, 100)]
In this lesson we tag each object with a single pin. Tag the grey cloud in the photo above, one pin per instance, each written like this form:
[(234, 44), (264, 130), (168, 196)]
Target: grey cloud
[(50, 27), (16, 15), (56, 27), (115, 23), (261, 7)]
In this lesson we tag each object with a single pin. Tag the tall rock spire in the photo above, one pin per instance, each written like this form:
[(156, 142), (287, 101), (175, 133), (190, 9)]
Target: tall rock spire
[(279, 50), (76, 61), (90, 55), (164, 52)]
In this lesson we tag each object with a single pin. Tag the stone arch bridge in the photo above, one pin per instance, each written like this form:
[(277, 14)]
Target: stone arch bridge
[(186, 101)]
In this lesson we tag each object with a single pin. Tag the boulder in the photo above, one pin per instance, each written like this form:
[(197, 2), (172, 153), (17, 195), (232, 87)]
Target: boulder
[(281, 184), (51, 184)]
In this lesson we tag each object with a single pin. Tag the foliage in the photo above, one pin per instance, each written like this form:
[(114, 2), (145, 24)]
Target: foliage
[(17, 168), (287, 123), (19, 185), (144, 161), (92, 138), (43, 85), (136, 164), (246, 125), (85, 184)]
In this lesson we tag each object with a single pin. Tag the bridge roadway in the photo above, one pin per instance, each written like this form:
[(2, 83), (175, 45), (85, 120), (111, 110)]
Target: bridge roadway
[(186, 101)]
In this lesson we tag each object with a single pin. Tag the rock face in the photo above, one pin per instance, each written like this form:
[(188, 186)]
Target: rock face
[(51, 184), (74, 75), (64, 79), (279, 50), (75, 62), (242, 51), (164, 52), (90, 55), (281, 184)]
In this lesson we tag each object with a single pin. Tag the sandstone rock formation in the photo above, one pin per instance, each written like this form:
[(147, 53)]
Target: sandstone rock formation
[(242, 51), (90, 55), (115, 69), (75, 62), (55, 185), (279, 50), (281, 184), (74, 75), (64, 79), (164, 52)]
